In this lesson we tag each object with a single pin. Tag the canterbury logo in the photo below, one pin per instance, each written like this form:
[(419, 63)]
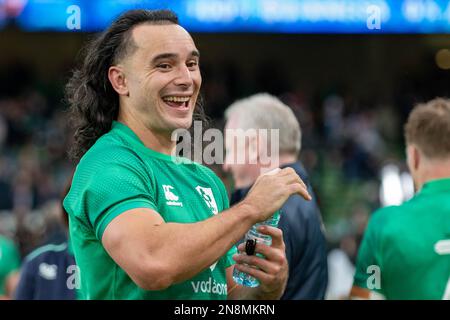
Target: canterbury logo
[(172, 199)]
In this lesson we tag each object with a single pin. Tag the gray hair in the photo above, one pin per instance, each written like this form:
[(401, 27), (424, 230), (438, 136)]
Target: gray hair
[(264, 111)]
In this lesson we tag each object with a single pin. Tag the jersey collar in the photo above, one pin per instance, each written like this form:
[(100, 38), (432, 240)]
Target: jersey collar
[(131, 135), (436, 186)]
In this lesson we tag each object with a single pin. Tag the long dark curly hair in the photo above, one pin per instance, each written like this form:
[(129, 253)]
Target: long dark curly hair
[(93, 103)]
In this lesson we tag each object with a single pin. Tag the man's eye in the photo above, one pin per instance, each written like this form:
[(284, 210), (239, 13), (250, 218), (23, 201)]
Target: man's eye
[(192, 64), (163, 66)]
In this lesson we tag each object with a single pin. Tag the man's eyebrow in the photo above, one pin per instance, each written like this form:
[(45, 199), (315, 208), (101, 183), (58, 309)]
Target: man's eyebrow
[(162, 56), (195, 53)]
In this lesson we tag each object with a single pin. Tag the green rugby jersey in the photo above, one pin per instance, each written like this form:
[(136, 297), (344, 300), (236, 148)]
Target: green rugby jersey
[(119, 173), (9, 261), (410, 244)]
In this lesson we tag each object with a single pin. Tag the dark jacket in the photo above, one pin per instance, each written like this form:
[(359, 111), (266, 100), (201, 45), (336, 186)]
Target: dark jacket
[(303, 235), (47, 274)]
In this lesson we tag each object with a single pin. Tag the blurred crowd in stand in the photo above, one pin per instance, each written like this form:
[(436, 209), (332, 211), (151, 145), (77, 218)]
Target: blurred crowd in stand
[(346, 140)]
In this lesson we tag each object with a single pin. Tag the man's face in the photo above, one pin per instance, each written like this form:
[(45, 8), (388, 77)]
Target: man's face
[(244, 174), (163, 77)]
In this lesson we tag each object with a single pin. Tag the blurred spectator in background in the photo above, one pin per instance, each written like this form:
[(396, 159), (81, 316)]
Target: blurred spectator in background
[(342, 259), (33, 164), (341, 269), (300, 220), (405, 252), (48, 272), (9, 266), (348, 134)]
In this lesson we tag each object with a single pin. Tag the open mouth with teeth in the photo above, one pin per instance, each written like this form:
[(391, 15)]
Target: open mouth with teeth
[(178, 102)]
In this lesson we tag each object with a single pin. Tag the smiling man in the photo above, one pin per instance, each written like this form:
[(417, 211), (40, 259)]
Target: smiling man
[(142, 225)]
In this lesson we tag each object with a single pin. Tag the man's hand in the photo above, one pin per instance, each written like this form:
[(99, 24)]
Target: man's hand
[(271, 190), (271, 271)]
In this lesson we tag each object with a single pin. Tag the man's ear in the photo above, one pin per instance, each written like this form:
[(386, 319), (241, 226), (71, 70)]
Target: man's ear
[(118, 80), (413, 157)]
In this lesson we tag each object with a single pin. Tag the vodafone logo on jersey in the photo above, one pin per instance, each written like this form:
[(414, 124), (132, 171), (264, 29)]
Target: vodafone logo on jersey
[(209, 286)]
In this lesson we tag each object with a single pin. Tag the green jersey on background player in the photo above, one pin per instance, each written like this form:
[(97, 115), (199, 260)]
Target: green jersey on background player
[(405, 252), (410, 244), (9, 262)]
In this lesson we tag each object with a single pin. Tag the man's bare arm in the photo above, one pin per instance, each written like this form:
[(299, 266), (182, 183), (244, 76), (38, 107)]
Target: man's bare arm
[(156, 254)]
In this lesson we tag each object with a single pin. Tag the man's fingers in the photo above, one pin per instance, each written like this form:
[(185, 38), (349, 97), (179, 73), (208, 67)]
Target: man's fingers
[(293, 176), (300, 190), (256, 273), (294, 182), (275, 251), (255, 262), (275, 233), (301, 182), (287, 171), (294, 179), (261, 248)]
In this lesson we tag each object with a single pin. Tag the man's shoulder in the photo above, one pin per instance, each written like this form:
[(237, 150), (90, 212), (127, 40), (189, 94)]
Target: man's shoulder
[(108, 153), (386, 222), (394, 220), (200, 170), (205, 170), (392, 214), (383, 214), (108, 147)]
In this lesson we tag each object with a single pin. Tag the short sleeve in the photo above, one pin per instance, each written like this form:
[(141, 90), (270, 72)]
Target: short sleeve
[(9, 260), (12, 258), (16, 259), (103, 190), (367, 254)]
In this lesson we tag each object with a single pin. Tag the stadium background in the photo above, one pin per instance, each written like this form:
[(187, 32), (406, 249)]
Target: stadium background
[(351, 90)]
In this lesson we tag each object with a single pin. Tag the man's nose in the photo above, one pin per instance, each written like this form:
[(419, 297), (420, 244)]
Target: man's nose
[(184, 77)]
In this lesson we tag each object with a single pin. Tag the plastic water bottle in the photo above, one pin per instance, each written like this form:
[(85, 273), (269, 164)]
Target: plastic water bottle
[(243, 278)]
